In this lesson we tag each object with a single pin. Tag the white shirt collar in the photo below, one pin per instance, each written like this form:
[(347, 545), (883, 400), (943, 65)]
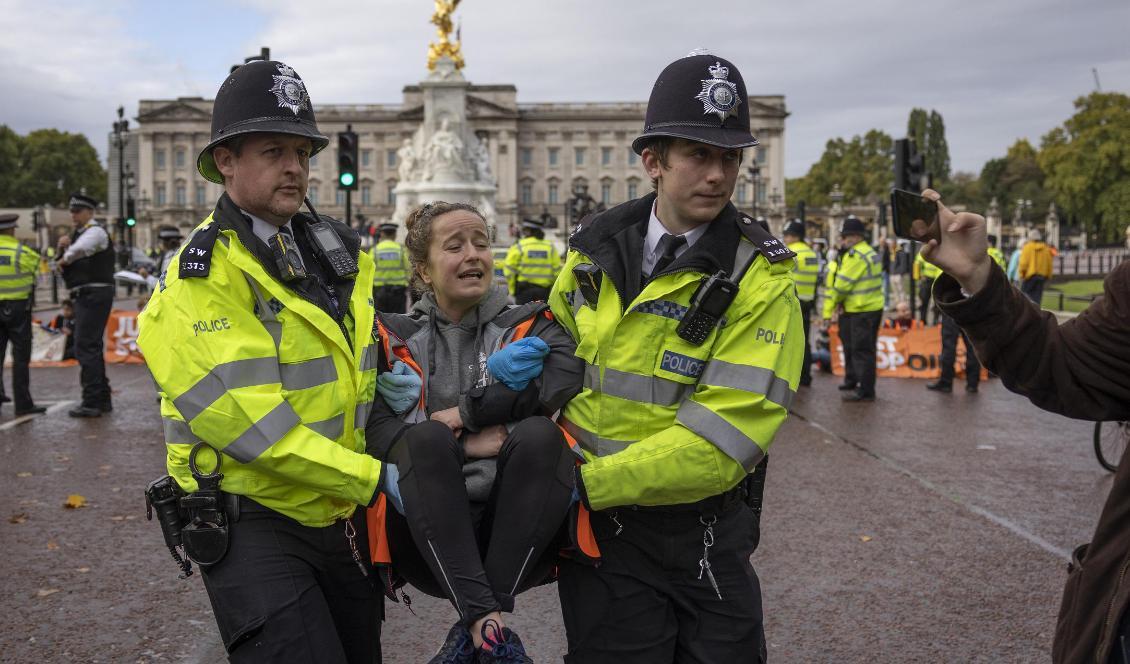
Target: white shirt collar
[(264, 229), (656, 230)]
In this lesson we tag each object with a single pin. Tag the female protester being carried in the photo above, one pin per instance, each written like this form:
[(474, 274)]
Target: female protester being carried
[(475, 440)]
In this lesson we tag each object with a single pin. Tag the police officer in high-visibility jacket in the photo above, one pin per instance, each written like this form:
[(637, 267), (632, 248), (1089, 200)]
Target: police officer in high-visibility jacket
[(260, 339), (686, 315), (391, 272), (531, 264), (857, 288), (806, 275), (924, 273), (996, 254), (18, 264)]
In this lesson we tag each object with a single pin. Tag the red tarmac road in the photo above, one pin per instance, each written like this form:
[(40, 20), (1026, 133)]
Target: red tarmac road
[(922, 527)]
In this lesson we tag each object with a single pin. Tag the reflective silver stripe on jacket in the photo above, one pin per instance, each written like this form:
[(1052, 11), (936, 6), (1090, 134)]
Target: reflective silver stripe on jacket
[(177, 432), (311, 373), (222, 379), (262, 434), (331, 428), (634, 387), (593, 443), (758, 380), (369, 357), (720, 433), (361, 414)]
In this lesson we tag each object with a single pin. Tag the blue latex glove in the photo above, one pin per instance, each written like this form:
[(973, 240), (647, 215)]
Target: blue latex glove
[(391, 487), (518, 363), (400, 388)]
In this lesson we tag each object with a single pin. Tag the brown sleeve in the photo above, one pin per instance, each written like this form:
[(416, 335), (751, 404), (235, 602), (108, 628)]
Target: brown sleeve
[(1080, 369)]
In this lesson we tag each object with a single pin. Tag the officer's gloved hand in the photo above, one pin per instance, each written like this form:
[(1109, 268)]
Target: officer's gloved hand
[(400, 388), (518, 363), (391, 487)]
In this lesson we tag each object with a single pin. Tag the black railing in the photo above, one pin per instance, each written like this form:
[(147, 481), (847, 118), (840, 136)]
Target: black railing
[(1097, 262)]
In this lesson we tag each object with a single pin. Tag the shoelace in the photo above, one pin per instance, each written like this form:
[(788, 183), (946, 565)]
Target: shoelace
[(495, 642)]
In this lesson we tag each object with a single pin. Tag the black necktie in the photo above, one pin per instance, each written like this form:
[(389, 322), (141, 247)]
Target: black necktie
[(668, 245)]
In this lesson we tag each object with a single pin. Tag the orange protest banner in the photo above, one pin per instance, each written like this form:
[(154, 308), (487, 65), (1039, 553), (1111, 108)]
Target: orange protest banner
[(121, 338), (902, 353)]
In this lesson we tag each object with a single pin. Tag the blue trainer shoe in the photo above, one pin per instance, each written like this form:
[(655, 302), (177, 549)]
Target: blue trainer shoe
[(458, 648), (500, 646)]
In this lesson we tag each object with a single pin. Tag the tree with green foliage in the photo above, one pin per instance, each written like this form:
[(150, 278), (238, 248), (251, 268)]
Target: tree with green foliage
[(937, 149), (917, 128), (48, 166), (862, 167), (1016, 176), (1087, 162)]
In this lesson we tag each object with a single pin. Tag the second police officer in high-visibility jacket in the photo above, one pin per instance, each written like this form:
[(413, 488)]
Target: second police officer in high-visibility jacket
[(260, 339), (857, 289), (531, 264), (924, 273), (18, 265), (688, 379), (996, 254), (806, 275), (391, 272)]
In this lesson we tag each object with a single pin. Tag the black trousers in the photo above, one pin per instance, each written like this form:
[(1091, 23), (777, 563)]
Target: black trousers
[(525, 292), (391, 299), (480, 556), (951, 332), (1033, 287), (645, 603), (92, 308), (859, 348), (286, 592), (806, 321), (925, 292), (15, 328)]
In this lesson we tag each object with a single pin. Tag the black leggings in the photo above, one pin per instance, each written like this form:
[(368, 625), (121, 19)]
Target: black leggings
[(479, 556)]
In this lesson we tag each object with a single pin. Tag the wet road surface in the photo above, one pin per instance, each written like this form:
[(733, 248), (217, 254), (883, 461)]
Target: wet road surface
[(922, 527)]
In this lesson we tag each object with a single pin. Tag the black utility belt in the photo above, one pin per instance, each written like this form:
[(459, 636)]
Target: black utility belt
[(723, 502), (88, 288)]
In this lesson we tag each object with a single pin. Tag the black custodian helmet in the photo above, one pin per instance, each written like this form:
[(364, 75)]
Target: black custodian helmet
[(700, 98), (794, 227), (262, 96)]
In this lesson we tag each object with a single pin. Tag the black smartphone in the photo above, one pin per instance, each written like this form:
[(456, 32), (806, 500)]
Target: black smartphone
[(914, 217)]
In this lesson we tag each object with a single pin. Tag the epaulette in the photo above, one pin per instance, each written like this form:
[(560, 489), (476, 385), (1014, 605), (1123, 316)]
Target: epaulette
[(768, 246), (196, 257)]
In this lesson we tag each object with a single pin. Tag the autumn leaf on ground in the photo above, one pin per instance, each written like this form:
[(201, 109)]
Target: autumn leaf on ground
[(44, 592), (51, 545), (74, 502), (23, 474), (82, 570), (864, 538), (18, 518)]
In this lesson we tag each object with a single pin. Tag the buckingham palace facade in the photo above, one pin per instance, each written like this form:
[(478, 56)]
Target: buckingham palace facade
[(538, 153)]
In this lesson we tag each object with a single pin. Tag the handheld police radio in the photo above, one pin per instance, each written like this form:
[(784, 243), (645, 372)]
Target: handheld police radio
[(329, 249), (709, 302)]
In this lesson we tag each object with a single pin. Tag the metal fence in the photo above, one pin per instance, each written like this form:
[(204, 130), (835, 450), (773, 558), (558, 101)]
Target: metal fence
[(1095, 262)]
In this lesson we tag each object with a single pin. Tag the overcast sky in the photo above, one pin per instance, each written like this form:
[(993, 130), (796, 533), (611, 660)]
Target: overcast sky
[(997, 70)]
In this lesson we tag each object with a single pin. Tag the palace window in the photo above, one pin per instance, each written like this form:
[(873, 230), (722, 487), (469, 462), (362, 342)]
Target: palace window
[(159, 159), (579, 156), (606, 156), (553, 156)]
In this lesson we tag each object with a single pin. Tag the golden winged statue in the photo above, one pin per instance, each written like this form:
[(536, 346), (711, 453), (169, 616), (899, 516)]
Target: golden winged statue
[(445, 46)]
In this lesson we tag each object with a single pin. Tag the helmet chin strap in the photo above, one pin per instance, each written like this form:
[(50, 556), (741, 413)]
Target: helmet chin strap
[(310, 207)]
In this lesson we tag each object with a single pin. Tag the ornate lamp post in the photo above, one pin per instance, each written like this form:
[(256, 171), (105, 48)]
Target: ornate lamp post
[(577, 207), (1022, 204), (837, 211), (755, 177), (121, 137)]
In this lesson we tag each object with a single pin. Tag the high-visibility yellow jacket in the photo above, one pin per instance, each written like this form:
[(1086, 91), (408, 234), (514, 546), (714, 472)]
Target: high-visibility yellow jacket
[(18, 264), (532, 261), (807, 271), (662, 421), (857, 282), (391, 267), (998, 257), (247, 365), (924, 269)]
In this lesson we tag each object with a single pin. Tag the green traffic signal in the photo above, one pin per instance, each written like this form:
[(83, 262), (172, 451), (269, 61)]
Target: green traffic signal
[(131, 222), (346, 179)]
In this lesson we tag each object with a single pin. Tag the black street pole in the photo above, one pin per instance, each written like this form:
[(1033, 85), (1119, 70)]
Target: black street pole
[(348, 204)]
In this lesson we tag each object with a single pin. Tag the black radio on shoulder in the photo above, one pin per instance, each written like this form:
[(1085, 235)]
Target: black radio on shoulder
[(331, 252), (709, 302)]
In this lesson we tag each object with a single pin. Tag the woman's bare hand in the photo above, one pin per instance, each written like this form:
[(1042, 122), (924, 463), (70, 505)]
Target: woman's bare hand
[(486, 443)]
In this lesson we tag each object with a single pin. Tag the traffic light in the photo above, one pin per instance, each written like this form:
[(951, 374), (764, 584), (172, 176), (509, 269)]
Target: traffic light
[(347, 160), (131, 213), (910, 168)]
